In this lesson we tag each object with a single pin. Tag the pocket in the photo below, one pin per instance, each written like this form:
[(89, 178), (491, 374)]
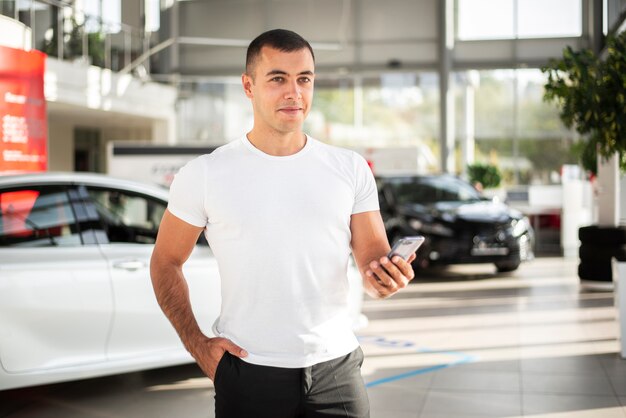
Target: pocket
[(220, 366), (359, 356)]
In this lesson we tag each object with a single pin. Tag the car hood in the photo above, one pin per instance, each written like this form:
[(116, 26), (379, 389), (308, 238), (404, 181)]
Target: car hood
[(480, 211)]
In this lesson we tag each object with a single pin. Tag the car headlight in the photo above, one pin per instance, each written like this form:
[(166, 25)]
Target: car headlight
[(416, 224), (520, 226)]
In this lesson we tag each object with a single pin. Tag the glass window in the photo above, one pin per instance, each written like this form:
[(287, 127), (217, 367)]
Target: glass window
[(128, 217), (153, 14), (332, 117), (509, 19), (98, 13), (536, 166), (549, 18), (7, 8), (37, 217), (494, 104), (537, 118), (393, 110), (485, 19), (512, 125), (402, 110)]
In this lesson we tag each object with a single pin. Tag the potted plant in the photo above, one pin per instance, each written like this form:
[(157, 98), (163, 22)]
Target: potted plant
[(590, 91), (591, 94), (484, 176)]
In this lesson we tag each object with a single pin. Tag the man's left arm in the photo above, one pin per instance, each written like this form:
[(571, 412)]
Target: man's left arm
[(382, 277)]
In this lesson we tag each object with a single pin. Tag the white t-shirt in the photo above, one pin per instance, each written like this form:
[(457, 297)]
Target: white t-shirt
[(279, 228)]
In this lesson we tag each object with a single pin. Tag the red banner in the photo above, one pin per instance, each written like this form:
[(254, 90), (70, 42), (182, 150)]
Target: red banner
[(23, 119)]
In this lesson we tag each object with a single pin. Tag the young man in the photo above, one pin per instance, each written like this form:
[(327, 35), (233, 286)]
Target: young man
[(282, 212)]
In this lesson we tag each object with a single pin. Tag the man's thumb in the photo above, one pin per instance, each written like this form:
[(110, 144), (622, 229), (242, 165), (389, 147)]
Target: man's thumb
[(235, 350)]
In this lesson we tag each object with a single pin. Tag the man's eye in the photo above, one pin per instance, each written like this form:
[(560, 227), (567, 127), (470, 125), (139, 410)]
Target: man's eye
[(278, 79), (305, 80)]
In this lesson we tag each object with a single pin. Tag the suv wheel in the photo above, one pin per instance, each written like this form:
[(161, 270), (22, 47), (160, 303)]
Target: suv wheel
[(507, 266)]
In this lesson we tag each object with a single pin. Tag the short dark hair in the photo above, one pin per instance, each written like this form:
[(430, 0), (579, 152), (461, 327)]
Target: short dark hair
[(282, 39)]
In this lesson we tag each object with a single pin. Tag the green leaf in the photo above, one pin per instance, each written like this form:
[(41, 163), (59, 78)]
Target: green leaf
[(591, 95)]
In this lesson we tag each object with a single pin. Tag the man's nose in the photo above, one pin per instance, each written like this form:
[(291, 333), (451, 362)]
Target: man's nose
[(294, 91)]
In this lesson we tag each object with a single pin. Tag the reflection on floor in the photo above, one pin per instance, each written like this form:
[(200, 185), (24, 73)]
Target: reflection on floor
[(470, 343), (463, 342)]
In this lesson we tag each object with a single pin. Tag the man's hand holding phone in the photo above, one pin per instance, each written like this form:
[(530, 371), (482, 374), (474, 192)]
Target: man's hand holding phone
[(393, 272)]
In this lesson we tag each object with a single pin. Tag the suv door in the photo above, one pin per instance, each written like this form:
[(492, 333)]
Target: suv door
[(55, 292), (140, 327)]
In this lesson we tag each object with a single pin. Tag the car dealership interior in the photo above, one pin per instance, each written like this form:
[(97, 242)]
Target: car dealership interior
[(496, 129)]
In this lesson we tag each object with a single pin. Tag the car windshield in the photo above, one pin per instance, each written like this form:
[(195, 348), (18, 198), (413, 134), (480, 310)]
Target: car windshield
[(432, 190)]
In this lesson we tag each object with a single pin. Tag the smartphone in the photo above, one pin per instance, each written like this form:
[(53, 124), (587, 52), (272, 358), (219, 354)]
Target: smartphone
[(406, 246)]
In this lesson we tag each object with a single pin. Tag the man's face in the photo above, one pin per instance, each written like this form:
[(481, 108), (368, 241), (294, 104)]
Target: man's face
[(281, 89)]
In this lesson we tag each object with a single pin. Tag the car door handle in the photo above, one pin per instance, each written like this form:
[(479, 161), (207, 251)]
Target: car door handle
[(131, 265)]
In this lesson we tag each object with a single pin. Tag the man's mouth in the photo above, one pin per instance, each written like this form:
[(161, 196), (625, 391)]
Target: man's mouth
[(290, 109)]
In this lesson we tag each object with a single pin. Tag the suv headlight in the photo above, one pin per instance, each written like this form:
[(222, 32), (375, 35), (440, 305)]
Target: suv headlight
[(416, 224)]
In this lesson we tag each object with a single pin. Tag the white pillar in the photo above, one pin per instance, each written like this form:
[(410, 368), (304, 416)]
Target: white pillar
[(573, 216), (446, 88), (468, 141), (619, 294), (608, 191)]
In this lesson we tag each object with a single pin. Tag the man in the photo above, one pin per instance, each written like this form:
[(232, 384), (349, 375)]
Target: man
[(281, 212)]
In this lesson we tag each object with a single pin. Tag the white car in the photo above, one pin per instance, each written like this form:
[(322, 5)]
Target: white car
[(76, 298)]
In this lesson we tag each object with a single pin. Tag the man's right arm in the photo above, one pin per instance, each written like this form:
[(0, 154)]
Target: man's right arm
[(175, 242)]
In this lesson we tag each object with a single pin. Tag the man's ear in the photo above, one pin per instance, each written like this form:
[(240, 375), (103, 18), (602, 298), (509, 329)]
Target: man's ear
[(247, 83)]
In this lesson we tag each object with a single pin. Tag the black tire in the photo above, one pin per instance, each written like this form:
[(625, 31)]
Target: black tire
[(599, 253), (507, 266), (595, 271), (602, 235)]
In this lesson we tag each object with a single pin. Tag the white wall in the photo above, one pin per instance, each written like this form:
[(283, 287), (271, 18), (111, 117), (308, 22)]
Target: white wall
[(90, 87), (14, 34), (120, 107), (60, 145), (61, 132)]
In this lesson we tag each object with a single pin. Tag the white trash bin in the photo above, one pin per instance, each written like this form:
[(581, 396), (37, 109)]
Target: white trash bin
[(619, 293)]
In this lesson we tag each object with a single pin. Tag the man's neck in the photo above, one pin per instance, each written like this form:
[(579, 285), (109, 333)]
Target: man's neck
[(277, 144)]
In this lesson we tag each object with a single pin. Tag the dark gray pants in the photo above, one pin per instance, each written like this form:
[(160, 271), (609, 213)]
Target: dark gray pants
[(333, 388)]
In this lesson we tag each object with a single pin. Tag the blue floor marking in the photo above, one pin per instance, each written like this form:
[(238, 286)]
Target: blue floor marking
[(383, 342)]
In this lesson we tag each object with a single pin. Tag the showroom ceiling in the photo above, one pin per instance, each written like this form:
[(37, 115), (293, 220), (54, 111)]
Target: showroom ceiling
[(349, 36)]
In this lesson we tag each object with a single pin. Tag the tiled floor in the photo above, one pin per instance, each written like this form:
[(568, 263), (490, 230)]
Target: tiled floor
[(461, 343), (533, 344)]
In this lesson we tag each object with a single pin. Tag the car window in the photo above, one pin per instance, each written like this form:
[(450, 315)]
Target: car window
[(128, 217), (453, 190), (432, 190), (37, 217)]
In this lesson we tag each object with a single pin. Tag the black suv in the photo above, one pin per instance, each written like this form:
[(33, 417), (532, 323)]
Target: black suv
[(460, 225)]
